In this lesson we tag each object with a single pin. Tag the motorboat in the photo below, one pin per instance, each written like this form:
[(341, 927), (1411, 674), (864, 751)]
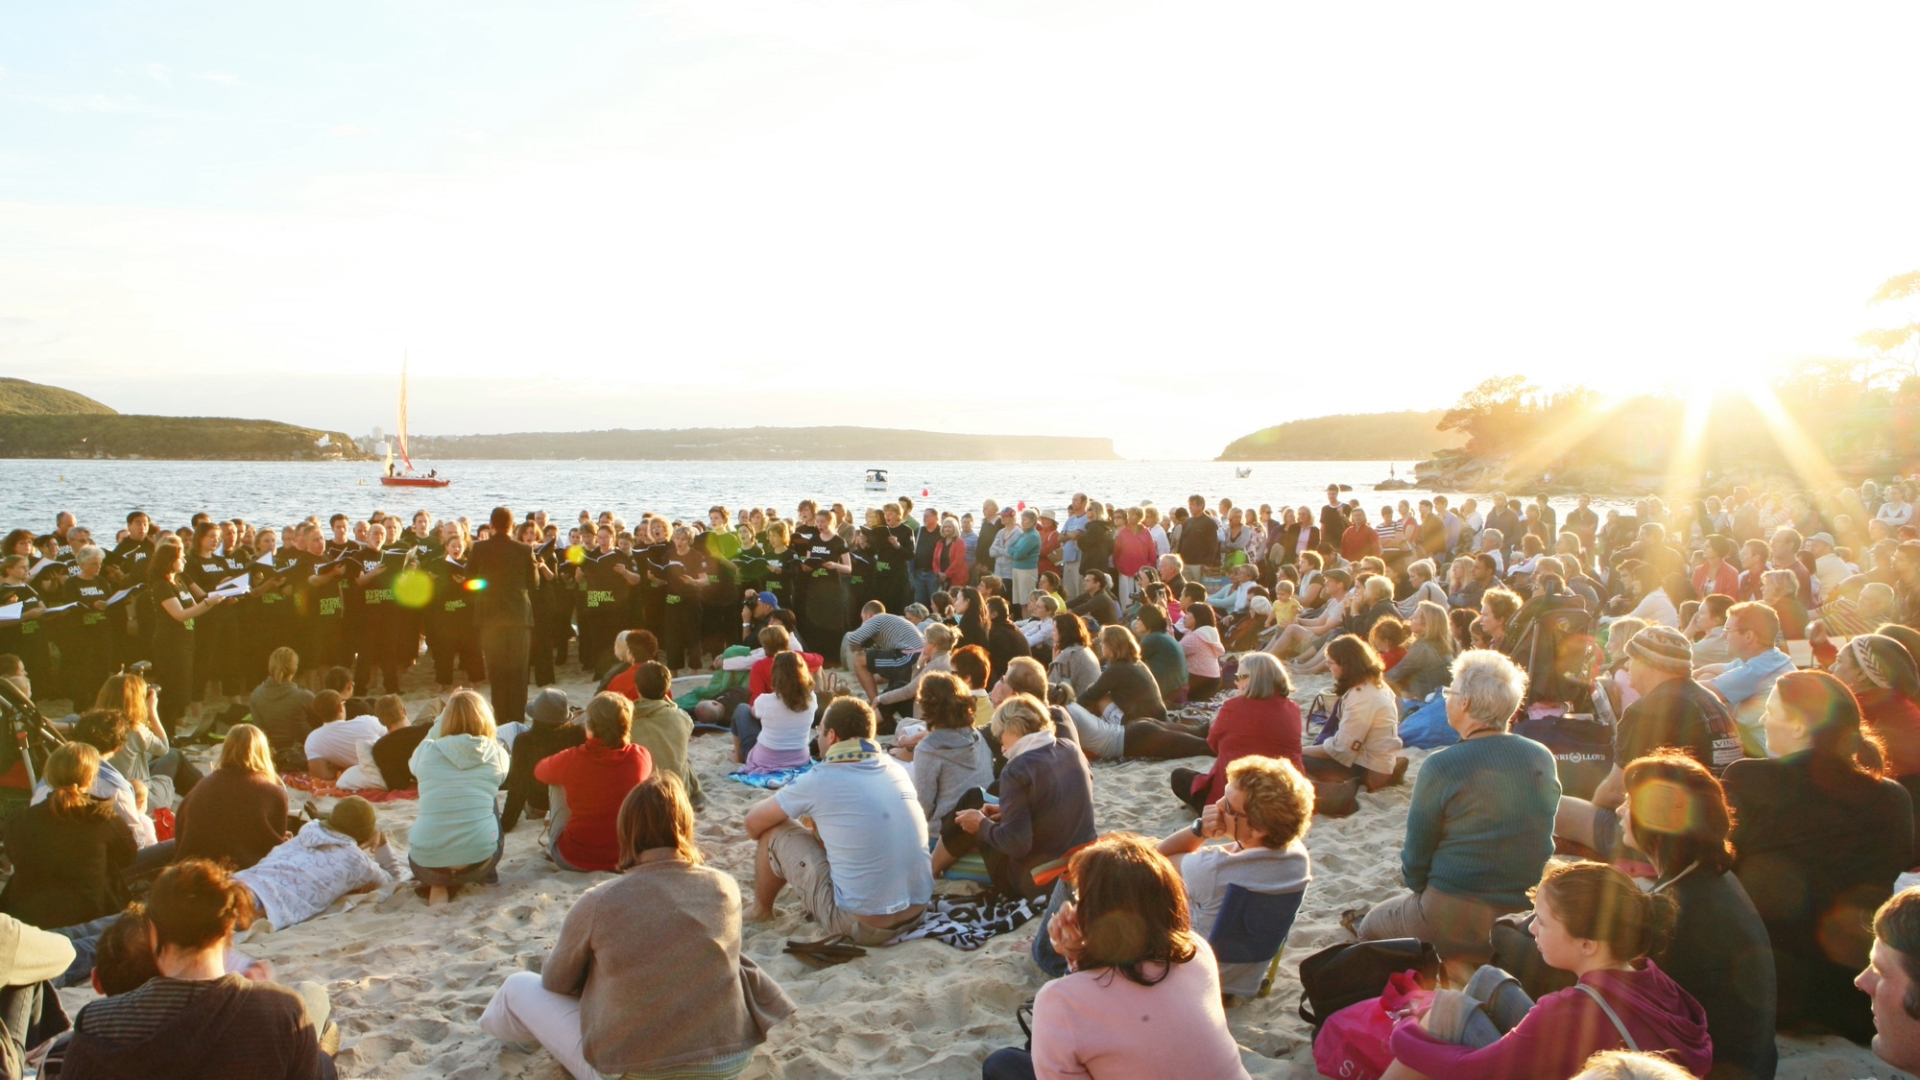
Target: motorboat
[(876, 479)]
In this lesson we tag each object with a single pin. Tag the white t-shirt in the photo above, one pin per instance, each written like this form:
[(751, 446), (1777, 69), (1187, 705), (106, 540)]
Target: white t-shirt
[(338, 743), (782, 728)]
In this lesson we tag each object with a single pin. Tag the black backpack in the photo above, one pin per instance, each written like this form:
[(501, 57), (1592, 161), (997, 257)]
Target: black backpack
[(1343, 975), (1582, 750)]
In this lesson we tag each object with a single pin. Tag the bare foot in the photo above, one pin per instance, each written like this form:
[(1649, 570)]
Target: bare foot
[(760, 915), (437, 896)]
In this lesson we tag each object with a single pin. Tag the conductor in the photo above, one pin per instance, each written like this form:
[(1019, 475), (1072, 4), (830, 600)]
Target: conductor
[(500, 571)]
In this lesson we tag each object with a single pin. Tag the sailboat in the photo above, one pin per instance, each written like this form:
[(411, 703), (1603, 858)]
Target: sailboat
[(406, 477)]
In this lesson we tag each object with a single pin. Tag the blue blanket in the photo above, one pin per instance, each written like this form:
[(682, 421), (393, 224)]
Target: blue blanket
[(769, 780)]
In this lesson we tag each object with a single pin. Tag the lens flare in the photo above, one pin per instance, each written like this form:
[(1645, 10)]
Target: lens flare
[(413, 589)]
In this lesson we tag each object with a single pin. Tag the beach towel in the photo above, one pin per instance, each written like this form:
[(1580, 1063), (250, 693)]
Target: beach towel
[(326, 790), (772, 781), (722, 681), (969, 924)]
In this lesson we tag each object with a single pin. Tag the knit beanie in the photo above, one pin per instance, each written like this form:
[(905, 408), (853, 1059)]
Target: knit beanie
[(1664, 648), (353, 816)]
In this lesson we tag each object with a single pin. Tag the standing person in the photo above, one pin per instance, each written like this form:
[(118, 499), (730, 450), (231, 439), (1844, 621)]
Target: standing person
[(451, 635), (648, 977), (823, 567), (687, 580), (503, 612), (170, 611), (88, 650), (1023, 554), (1819, 838), (1143, 999), (1071, 531)]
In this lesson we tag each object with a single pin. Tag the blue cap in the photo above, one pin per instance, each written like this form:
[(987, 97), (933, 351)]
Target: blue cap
[(768, 599)]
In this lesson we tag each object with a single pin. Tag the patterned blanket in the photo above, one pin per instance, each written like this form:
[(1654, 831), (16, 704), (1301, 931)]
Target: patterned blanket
[(969, 924), (322, 789), (771, 781)]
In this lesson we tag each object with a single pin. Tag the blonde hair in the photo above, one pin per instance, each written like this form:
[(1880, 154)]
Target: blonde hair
[(71, 772), (283, 664), (1621, 1065), (246, 747), (940, 638), (1279, 799), (1022, 714), (124, 693), (1378, 588), (467, 713), (1431, 623)]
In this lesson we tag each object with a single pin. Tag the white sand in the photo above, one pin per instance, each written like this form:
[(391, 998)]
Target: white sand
[(408, 983)]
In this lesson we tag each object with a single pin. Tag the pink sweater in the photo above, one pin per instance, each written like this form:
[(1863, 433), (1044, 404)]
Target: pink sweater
[(1102, 1025)]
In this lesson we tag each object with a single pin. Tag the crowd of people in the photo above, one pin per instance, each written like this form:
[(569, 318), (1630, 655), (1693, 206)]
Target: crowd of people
[(1671, 758)]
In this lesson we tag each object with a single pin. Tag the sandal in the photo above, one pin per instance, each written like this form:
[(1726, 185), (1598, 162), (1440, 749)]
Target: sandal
[(820, 954)]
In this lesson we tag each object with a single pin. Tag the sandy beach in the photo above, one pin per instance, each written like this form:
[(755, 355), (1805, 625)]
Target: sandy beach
[(408, 983)]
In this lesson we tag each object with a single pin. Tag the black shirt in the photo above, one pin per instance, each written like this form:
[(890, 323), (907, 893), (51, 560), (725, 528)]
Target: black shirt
[(506, 565), (1680, 713), (1720, 953)]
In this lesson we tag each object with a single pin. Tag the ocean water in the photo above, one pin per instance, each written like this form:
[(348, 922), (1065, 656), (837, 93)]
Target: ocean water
[(274, 493)]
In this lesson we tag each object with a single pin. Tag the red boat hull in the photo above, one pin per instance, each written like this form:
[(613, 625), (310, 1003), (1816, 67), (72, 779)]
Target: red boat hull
[(414, 481)]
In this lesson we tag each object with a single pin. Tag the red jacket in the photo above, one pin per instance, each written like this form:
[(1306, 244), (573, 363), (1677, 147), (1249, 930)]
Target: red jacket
[(760, 675), (1269, 727), (597, 778), (1359, 542), (950, 562)]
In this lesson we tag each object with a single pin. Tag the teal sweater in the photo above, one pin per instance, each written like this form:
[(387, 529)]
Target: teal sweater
[(1481, 823), (1025, 551)]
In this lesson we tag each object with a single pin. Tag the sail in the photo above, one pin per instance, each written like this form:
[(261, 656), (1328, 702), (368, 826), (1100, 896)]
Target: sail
[(401, 437)]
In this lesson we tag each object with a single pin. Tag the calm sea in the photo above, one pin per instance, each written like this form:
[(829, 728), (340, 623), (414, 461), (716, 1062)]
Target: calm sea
[(101, 492)]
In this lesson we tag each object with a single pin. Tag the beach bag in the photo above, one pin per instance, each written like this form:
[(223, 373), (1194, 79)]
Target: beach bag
[(1323, 717), (1582, 750), (1426, 727), (163, 824), (1341, 976), (1354, 1044)]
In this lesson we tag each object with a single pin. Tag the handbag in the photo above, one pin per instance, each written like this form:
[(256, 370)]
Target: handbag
[(1323, 717), (1355, 1043), (1340, 976)]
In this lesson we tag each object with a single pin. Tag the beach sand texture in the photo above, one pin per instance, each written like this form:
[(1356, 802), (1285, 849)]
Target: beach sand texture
[(408, 983)]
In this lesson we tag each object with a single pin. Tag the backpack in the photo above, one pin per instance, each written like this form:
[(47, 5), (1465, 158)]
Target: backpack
[(1339, 976), (1582, 750)]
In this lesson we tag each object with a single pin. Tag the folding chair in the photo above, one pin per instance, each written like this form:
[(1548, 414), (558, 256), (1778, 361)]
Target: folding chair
[(1253, 926)]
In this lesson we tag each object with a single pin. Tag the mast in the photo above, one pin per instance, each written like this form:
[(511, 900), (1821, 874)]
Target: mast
[(403, 414)]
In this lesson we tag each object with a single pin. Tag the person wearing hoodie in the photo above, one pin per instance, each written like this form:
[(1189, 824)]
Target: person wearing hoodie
[(456, 838), (952, 758), (663, 729), (194, 1021), (280, 708), (1591, 920), (325, 860), (586, 784)]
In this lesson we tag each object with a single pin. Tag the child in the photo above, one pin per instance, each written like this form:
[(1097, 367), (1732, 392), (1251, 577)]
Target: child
[(325, 860)]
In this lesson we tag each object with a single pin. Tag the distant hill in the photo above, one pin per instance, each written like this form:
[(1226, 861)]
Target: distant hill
[(760, 444), (18, 397), (1392, 436)]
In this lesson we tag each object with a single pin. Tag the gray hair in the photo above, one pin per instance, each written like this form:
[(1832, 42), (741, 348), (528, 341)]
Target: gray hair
[(1493, 685), (1265, 677), (1786, 581), (88, 553), (1422, 567)]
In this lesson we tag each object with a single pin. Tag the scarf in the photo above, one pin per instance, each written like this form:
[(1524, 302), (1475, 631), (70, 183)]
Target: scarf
[(852, 750), (1034, 741)]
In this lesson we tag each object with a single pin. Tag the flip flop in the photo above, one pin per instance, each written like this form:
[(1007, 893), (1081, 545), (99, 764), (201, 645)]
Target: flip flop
[(820, 954)]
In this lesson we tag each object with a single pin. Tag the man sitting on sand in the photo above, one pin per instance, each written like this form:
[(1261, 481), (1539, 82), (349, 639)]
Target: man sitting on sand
[(863, 870)]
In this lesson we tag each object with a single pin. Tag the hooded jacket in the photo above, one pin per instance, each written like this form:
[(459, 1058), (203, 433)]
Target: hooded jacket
[(280, 710), (664, 729), (1564, 1028), (458, 775), (304, 876), (224, 1029)]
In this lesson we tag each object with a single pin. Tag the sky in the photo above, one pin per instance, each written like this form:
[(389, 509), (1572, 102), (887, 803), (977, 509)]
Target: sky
[(1170, 224)]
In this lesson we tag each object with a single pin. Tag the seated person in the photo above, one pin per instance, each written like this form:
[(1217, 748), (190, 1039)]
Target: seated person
[(937, 656), (631, 648), (552, 727), (1889, 979), (279, 707), (1366, 745), (325, 860), (1096, 600), (196, 1020), (106, 731), (456, 837), (1122, 926), (1745, 681), (951, 758), (334, 746), (1045, 809), (648, 974), (364, 774), (1155, 647), (239, 812), (1259, 720), (1263, 816), (1480, 828), (883, 648), (863, 871), (1592, 921), (587, 783), (661, 728), (774, 735), (70, 852)]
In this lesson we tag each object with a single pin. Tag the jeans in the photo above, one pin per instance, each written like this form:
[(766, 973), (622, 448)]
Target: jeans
[(925, 584), (1050, 963), (86, 942), (746, 728), (1007, 1064)]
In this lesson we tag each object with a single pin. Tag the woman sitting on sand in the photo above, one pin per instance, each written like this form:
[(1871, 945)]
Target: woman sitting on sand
[(1126, 689), (1428, 663), (69, 850), (1886, 682), (239, 812), (1367, 741), (1261, 720), (1045, 808), (776, 736), (1480, 827), (1073, 659), (456, 839), (1592, 921), (647, 976), (1820, 837), (1143, 1001), (950, 757), (1004, 639), (1200, 644)]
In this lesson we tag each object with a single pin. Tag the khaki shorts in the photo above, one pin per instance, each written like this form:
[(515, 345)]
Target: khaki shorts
[(800, 860), (1459, 928)]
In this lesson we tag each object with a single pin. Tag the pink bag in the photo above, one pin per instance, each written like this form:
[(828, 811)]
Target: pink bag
[(1353, 1044)]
